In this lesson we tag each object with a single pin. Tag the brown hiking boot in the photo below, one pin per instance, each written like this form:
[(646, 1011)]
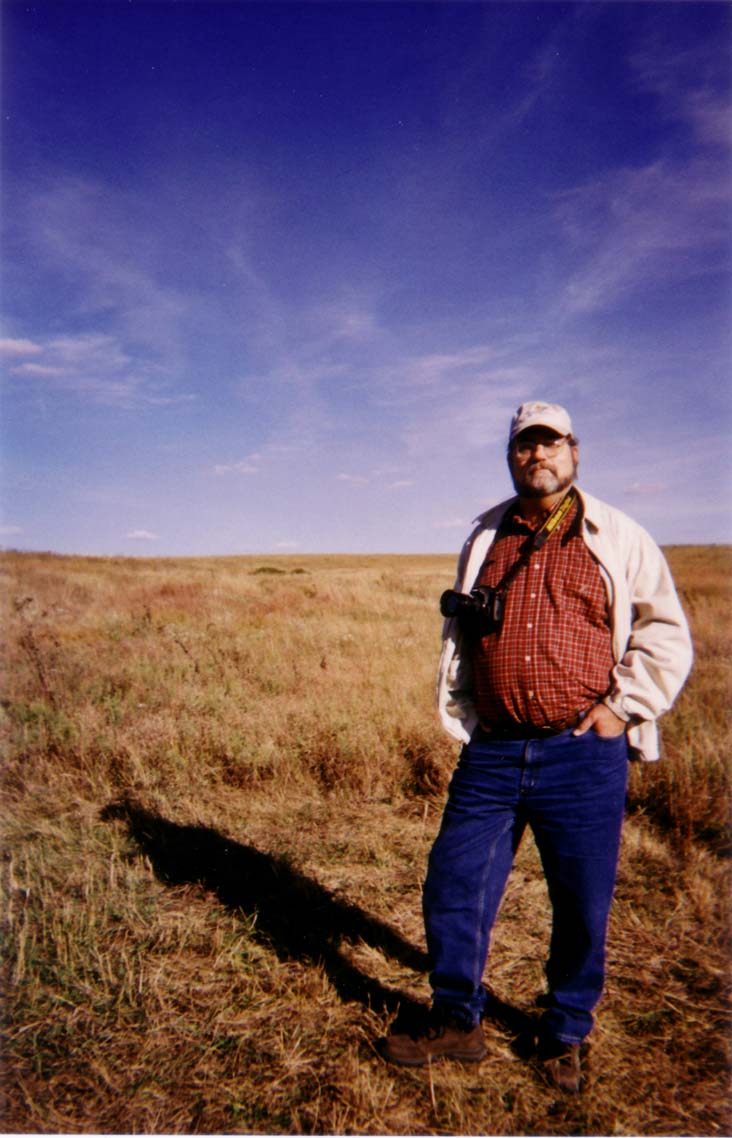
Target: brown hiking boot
[(444, 1037), (561, 1065)]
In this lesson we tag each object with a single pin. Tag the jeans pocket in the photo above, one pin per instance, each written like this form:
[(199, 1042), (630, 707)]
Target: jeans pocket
[(608, 738)]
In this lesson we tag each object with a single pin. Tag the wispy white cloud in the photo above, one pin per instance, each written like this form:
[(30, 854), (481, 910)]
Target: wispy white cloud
[(344, 320), (43, 371), (246, 466), (644, 489), (10, 347), (443, 370), (115, 273), (709, 117), (97, 367), (470, 401), (690, 85), (128, 315), (352, 479), (11, 531), (636, 227), (666, 220), (142, 535)]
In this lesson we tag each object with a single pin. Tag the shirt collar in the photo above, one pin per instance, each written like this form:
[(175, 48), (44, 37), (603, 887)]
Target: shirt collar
[(588, 508), (492, 518)]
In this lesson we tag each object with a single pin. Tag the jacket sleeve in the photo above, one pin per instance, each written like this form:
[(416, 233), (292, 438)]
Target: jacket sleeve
[(659, 652), (453, 689)]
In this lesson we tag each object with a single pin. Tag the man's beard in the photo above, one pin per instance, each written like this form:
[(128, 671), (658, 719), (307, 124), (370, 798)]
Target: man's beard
[(551, 483)]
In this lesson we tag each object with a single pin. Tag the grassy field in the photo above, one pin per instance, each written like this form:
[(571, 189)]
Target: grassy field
[(221, 781)]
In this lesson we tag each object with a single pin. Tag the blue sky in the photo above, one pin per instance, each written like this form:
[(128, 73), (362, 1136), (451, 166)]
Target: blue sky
[(276, 275)]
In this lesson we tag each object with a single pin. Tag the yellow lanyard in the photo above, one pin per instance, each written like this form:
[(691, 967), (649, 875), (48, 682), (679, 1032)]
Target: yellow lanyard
[(554, 520)]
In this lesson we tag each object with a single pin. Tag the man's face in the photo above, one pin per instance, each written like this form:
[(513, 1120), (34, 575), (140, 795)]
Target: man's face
[(542, 462)]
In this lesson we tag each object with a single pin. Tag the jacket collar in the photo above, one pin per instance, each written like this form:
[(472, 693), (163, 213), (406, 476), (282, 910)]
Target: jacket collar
[(491, 519)]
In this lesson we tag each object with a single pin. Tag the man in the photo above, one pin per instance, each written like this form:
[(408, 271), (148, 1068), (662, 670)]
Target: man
[(564, 641)]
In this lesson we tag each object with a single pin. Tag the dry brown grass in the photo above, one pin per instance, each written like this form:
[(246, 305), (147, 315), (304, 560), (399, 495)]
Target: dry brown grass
[(222, 778)]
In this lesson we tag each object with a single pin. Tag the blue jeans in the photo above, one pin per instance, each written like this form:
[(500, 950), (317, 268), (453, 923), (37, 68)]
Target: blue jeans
[(570, 790)]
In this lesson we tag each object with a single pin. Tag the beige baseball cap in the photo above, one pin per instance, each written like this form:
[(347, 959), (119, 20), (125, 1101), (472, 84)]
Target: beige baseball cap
[(536, 414)]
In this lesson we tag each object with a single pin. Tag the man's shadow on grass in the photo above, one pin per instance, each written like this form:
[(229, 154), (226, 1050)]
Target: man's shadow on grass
[(295, 915)]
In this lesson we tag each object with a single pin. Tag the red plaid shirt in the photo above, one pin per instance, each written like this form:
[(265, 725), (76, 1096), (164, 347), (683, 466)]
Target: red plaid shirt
[(552, 656)]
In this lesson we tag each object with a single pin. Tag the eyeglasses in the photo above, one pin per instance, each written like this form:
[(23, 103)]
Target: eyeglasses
[(525, 447)]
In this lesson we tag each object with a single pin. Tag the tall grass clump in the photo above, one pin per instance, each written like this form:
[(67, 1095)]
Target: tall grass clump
[(689, 791), (221, 780)]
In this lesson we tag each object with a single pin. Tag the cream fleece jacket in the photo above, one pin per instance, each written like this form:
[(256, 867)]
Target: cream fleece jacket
[(651, 640)]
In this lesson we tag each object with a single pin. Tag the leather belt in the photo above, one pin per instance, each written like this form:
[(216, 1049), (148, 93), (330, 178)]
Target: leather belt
[(523, 730)]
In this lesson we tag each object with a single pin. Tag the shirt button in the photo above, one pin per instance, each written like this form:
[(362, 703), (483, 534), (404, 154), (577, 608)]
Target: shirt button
[(527, 659), (531, 695), (530, 624), (533, 596)]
